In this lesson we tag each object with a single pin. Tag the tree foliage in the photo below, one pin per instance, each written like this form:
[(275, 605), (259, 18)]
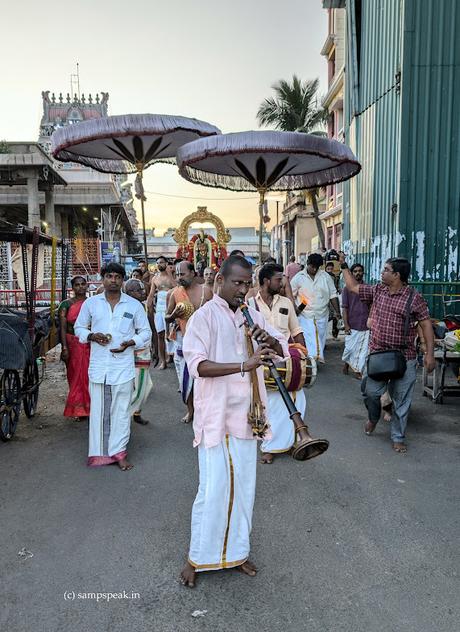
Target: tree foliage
[(294, 108)]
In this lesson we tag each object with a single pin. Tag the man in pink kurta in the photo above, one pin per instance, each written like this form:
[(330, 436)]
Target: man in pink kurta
[(215, 350)]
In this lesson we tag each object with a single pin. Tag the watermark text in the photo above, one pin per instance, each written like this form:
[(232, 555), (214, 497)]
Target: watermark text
[(72, 595)]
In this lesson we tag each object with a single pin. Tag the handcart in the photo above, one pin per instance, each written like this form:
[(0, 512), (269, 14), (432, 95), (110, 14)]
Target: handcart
[(27, 332)]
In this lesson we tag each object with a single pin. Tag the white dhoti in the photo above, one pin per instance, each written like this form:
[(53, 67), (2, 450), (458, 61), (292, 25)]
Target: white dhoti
[(356, 349), (160, 322), (109, 422), (142, 382), (281, 425), (314, 332), (185, 379), (222, 511), (170, 346), (160, 310)]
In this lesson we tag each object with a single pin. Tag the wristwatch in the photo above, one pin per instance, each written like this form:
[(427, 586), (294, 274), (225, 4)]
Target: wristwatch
[(89, 337)]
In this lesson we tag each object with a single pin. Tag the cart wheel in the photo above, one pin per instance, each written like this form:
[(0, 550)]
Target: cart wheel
[(10, 393), (30, 380)]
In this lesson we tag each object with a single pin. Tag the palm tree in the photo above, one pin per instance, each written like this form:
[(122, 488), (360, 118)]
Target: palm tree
[(294, 108)]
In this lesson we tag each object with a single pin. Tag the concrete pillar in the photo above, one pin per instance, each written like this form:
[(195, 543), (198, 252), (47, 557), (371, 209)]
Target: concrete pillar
[(50, 216), (33, 205), (57, 224), (64, 226)]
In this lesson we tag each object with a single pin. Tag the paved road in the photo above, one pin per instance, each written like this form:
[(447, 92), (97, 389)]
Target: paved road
[(361, 539)]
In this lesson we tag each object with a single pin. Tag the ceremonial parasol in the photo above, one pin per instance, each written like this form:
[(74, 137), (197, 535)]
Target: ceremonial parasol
[(128, 143), (266, 160)]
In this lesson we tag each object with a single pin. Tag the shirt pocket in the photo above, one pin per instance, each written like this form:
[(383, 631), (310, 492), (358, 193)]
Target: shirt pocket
[(282, 322), (126, 324)]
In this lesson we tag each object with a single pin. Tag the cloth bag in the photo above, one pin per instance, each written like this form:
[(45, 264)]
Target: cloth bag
[(391, 363)]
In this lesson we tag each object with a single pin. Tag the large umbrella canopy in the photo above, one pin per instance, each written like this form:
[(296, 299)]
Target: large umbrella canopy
[(266, 160), (126, 143)]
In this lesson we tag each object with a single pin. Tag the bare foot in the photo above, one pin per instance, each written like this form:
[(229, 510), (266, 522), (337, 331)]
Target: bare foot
[(162, 366), (248, 568), (386, 416), (369, 427), (139, 419), (187, 418), (187, 576), (124, 465), (267, 458), (401, 448)]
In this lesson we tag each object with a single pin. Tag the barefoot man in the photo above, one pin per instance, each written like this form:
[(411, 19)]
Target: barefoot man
[(160, 285), (279, 311), (189, 296), (226, 385), (142, 360), (355, 316), (114, 323), (315, 288)]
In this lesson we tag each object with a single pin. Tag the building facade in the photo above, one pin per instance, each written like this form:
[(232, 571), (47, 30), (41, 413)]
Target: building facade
[(401, 118), (334, 52), (295, 233), (92, 204), (63, 199)]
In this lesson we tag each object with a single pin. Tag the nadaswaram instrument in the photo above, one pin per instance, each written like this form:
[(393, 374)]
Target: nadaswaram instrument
[(306, 447), (297, 372)]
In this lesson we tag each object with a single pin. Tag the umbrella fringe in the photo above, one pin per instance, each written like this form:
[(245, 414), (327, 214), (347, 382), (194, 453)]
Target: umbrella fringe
[(333, 175), (109, 166)]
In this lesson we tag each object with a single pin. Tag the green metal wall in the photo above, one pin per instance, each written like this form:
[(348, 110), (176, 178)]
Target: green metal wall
[(430, 149), (406, 200), (372, 119)]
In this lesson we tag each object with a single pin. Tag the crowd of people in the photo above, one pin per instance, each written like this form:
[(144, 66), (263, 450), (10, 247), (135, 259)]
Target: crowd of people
[(111, 341)]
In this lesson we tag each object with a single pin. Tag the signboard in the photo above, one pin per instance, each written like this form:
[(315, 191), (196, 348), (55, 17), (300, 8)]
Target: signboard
[(110, 252)]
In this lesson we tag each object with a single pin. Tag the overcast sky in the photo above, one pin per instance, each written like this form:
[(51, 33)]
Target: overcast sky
[(209, 59)]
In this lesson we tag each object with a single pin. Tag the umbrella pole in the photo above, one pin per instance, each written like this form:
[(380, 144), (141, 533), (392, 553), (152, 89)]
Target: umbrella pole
[(139, 173), (261, 221)]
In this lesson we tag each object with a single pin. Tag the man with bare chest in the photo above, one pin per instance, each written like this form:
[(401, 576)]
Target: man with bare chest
[(184, 300), (160, 285)]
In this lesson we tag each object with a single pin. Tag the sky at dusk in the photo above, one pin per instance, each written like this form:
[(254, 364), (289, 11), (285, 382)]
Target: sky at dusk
[(215, 61)]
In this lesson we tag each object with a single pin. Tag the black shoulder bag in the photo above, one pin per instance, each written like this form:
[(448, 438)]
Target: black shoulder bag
[(391, 363)]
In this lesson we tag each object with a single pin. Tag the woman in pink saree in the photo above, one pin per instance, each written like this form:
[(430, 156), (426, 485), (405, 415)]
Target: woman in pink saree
[(75, 354)]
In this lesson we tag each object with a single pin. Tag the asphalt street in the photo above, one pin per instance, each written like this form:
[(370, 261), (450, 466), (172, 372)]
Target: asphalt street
[(360, 539)]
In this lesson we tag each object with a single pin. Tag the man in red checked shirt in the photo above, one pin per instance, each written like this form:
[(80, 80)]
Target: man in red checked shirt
[(389, 301)]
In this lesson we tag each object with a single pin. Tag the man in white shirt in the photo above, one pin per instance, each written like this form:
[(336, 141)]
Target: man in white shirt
[(114, 324), (279, 312), (314, 289)]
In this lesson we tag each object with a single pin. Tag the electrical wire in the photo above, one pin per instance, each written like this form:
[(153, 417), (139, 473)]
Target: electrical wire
[(191, 197)]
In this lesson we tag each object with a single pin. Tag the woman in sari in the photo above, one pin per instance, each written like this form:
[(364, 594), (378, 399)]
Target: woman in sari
[(74, 353)]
